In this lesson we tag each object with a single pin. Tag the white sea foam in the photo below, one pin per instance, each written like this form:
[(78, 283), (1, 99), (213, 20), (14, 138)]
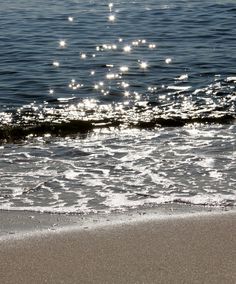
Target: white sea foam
[(118, 170)]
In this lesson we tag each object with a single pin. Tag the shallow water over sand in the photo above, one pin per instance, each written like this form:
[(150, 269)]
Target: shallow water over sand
[(117, 170)]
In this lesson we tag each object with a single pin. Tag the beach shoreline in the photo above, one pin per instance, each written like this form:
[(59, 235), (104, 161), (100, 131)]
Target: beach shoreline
[(177, 246), (20, 224)]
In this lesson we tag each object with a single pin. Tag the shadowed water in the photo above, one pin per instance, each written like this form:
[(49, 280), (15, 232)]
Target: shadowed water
[(113, 105)]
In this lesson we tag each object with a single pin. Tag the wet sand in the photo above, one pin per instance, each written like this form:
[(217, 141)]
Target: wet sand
[(185, 248)]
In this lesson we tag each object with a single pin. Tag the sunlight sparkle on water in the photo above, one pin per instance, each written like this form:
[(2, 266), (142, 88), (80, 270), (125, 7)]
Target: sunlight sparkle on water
[(56, 63), (135, 43), (152, 89), (137, 96), (168, 60), (83, 55), (112, 18), (98, 85), (108, 46), (182, 77), (127, 48), (112, 76), (124, 85), (70, 19), (109, 65), (143, 65), (62, 43), (152, 46), (74, 85), (231, 79), (124, 68), (110, 5)]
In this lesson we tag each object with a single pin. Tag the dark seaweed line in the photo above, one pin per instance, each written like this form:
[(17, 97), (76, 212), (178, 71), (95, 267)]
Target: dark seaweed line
[(14, 133)]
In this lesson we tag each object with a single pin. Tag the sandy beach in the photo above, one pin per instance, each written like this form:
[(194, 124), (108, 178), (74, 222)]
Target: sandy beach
[(185, 248)]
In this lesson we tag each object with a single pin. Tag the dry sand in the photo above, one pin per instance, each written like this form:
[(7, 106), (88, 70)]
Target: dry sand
[(191, 248)]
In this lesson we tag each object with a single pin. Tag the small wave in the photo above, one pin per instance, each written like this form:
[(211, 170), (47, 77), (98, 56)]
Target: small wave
[(174, 106), (64, 121)]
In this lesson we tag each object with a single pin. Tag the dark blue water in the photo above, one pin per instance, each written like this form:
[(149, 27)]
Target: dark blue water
[(112, 105)]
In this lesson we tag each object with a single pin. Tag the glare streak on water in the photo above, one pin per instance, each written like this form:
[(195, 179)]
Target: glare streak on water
[(113, 105)]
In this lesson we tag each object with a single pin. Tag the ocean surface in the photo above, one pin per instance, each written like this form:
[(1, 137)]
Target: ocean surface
[(108, 106)]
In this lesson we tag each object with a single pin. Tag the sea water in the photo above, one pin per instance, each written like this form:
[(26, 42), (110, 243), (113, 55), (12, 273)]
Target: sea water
[(115, 105)]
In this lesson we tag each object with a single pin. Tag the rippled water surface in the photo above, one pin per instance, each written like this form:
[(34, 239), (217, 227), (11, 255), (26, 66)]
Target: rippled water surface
[(112, 105)]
